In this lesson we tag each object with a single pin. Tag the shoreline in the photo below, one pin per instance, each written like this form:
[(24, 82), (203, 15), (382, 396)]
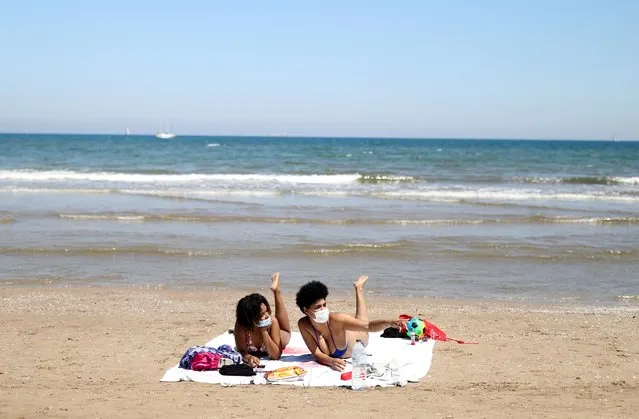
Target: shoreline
[(623, 304), (101, 351)]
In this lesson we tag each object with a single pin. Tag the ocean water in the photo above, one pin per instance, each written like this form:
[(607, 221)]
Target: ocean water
[(540, 221)]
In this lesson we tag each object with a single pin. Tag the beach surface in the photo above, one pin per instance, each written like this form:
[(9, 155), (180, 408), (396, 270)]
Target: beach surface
[(100, 352)]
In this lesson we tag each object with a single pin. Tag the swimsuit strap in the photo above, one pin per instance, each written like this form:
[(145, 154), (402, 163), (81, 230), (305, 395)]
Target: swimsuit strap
[(332, 338), (338, 352)]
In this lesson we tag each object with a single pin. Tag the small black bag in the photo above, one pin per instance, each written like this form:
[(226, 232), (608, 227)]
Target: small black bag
[(392, 332), (237, 369)]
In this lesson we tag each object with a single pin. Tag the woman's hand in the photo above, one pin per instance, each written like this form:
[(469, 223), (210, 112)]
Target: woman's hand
[(252, 361), (265, 329), (397, 324), (337, 364)]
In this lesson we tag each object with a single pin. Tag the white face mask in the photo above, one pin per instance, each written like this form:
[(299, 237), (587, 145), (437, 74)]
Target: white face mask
[(321, 315), (265, 323)]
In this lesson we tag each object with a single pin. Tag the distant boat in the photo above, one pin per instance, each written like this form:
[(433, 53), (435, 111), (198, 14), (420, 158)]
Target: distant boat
[(163, 135)]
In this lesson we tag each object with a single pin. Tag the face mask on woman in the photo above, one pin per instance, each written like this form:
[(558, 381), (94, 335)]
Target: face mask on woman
[(321, 315), (265, 323)]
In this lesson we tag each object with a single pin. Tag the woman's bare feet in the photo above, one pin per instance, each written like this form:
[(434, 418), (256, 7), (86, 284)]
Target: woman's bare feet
[(360, 305), (280, 311), (275, 282), (359, 284)]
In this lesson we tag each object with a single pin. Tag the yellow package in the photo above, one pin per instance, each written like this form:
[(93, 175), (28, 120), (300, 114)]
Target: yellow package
[(285, 373)]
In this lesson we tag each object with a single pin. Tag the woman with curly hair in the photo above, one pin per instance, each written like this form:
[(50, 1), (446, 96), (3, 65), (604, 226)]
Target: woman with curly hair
[(331, 336)]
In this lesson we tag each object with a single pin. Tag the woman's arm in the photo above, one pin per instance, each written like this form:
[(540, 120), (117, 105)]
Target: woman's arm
[(273, 339), (321, 358), (351, 323)]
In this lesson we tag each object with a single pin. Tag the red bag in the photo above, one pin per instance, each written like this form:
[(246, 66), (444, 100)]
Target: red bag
[(205, 361), (433, 332)]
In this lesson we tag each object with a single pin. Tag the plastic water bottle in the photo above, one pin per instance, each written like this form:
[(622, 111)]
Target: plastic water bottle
[(359, 366)]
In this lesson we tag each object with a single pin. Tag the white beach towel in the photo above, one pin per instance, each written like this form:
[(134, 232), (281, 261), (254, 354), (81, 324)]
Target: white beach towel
[(411, 364)]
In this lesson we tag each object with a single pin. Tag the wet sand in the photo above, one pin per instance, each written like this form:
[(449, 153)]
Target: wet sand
[(100, 352)]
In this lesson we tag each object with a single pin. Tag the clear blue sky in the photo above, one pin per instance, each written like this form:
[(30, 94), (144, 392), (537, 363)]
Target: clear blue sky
[(514, 69)]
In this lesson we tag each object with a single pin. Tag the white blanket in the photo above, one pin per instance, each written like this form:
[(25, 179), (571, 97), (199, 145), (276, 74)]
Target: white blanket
[(410, 362)]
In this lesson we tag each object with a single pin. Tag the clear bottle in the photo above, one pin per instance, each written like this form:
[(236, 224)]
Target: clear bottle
[(359, 366)]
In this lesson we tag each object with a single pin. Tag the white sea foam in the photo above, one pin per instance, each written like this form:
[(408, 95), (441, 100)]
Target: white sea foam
[(593, 220), (60, 175), (603, 180), (204, 194), (627, 180), (94, 217), (629, 297), (434, 222), (326, 193), (230, 188), (336, 185), (56, 190), (500, 195)]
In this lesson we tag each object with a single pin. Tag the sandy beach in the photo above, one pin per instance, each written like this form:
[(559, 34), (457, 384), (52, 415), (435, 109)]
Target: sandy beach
[(100, 352)]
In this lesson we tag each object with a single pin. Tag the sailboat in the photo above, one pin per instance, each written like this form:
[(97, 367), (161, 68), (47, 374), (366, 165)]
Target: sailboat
[(164, 134)]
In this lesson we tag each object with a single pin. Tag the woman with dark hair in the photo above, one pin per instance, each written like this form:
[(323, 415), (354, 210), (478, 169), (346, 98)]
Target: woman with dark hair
[(331, 336), (257, 332)]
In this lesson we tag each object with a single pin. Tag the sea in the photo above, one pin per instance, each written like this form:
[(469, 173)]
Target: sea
[(535, 221)]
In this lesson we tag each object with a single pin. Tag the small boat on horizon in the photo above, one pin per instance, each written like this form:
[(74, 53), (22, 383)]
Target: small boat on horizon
[(164, 135)]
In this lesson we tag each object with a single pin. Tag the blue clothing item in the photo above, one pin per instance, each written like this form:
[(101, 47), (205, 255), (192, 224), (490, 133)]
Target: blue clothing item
[(338, 352), (225, 351)]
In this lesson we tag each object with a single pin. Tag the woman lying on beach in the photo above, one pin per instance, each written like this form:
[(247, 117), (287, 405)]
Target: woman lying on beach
[(331, 336), (258, 332)]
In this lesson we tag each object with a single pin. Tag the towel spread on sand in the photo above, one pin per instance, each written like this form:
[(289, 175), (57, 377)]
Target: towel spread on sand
[(391, 362)]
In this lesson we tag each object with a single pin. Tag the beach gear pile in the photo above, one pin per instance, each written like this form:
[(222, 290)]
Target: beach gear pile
[(391, 362), (228, 361), (207, 358), (422, 329)]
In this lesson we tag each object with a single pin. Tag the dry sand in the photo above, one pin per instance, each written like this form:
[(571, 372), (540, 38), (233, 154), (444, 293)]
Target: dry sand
[(100, 352)]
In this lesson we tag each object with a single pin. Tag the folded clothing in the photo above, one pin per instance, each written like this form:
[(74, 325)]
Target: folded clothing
[(206, 361), (222, 351)]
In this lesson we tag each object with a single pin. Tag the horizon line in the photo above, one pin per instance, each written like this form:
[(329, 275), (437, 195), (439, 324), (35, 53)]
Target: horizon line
[(282, 136)]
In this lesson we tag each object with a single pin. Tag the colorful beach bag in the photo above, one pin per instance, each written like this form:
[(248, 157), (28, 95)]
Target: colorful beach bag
[(431, 331)]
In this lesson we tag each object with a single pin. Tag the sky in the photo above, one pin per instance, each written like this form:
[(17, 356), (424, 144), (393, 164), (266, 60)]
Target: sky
[(564, 69)]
